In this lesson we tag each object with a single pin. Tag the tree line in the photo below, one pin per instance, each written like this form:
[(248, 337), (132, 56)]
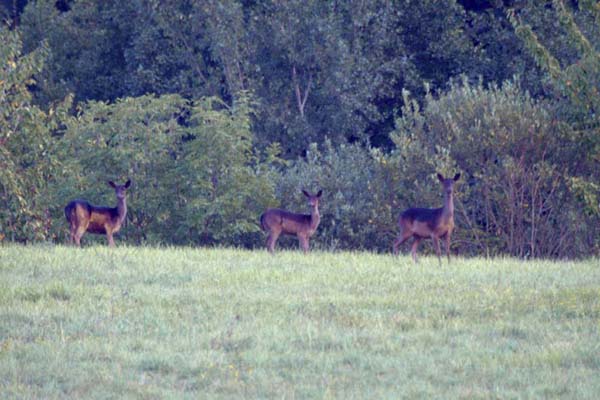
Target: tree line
[(219, 109)]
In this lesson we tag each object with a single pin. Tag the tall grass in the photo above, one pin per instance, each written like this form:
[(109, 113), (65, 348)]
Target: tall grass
[(222, 323)]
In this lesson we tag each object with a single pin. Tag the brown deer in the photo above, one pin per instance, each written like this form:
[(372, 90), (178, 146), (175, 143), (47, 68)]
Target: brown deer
[(276, 221), (434, 223), (84, 217)]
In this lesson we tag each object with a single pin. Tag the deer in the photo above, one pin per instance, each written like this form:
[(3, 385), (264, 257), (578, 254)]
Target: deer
[(84, 217), (275, 221), (425, 223)]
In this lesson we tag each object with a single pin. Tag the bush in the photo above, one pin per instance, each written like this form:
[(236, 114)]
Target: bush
[(356, 206), (515, 198), (28, 161), (196, 178)]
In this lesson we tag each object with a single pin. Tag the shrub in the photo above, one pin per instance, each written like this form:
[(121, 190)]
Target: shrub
[(356, 206), (196, 178), (515, 198)]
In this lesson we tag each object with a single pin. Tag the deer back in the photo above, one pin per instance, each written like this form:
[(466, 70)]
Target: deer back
[(285, 221)]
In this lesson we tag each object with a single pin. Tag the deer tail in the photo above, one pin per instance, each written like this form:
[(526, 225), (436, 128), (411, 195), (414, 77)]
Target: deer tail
[(69, 211), (262, 222)]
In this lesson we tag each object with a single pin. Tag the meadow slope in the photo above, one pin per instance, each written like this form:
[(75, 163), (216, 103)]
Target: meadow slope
[(137, 322)]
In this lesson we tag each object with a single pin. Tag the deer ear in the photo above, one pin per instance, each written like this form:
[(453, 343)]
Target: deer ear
[(456, 177), (112, 184), (305, 193), (128, 183), (320, 193), (440, 177)]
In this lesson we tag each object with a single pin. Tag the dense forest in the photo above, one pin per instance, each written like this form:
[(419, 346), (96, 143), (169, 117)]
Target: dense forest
[(217, 109)]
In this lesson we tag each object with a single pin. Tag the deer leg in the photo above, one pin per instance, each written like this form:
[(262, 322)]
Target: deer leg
[(414, 248), (109, 236), (399, 240), (436, 242), (448, 246), (271, 239), (79, 231), (303, 243), (72, 235)]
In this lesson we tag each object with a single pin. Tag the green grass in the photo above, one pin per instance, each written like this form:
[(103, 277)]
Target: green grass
[(221, 323)]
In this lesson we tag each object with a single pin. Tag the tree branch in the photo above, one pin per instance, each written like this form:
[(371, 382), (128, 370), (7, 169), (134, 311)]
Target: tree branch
[(300, 99)]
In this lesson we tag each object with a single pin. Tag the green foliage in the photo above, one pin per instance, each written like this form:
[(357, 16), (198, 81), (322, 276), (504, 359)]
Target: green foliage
[(168, 48), (196, 178), (85, 49), (27, 148), (434, 33), (573, 70), (356, 206), (515, 197), (305, 75), (334, 70), (137, 138), (318, 68), (571, 60), (218, 109), (220, 179)]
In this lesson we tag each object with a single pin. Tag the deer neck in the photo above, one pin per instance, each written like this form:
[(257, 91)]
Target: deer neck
[(122, 208), (315, 217), (448, 209)]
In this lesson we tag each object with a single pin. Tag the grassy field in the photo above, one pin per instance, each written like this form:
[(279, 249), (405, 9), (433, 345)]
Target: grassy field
[(221, 323)]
